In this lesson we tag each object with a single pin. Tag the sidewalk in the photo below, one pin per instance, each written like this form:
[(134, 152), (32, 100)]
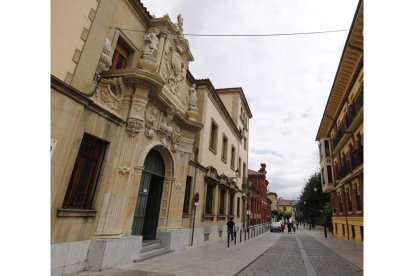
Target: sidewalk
[(352, 251), (215, 258), (211, 258)]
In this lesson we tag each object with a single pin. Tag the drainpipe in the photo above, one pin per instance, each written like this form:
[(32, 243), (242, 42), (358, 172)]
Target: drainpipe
[(346, 213)]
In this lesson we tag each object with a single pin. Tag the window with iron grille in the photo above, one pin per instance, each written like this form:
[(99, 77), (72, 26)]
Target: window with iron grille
[(209, 199), (222, 201), (187, 195), (231, 204), (82, 184)]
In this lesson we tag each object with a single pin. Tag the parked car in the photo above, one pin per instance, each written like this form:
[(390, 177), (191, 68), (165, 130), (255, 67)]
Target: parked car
[(276, 226)]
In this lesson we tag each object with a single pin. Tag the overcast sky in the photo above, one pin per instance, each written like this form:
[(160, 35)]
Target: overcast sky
[(286, 79)]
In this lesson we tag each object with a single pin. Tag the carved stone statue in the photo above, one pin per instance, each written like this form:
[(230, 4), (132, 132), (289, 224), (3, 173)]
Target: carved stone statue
[(180, 21), (167, 122), (151, 44), (176, 139), (150, 119), (192, 94)]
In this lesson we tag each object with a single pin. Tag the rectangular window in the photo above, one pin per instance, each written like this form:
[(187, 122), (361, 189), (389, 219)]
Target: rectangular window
[(187, 195), (340, 203), (82, 184), (238, 206), (329, 169), (209, 199), (222, 201), (231, 205), (244, 170), (119, 59), (358, 197), (233, 156), (239, 166), (213, 136), (327, 151), (224, 149), (348, 195)]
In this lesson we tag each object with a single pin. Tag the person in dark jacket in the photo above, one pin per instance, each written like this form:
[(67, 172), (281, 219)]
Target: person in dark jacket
[(230, 228)]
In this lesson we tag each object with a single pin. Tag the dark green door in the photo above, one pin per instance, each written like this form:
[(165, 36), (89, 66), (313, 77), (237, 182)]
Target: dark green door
[(149, 197)]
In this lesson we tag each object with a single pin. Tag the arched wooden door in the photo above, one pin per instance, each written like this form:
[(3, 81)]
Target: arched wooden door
[(149, 197)]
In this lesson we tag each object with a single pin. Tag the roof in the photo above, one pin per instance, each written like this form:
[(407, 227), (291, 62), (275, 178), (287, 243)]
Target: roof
[(284, 202), (351, 60)]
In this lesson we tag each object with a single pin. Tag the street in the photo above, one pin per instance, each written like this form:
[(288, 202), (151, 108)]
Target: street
[(304, 253), (300, 254)]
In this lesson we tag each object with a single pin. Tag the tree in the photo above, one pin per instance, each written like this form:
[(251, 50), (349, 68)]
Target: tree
[(312, 202), (277, 213), (287, 215)]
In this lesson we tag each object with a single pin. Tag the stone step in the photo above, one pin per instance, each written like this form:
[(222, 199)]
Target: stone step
[(150, 245), (153, 253)]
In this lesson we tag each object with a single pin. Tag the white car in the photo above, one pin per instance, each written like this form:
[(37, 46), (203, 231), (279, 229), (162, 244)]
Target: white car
[(276, 226)]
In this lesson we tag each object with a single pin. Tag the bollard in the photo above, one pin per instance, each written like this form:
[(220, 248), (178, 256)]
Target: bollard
[(241, 231), (244, 233), (228, 238), (235, 236)]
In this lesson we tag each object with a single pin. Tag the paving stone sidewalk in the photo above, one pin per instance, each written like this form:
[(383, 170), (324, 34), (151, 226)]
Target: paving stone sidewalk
[(214, 258)]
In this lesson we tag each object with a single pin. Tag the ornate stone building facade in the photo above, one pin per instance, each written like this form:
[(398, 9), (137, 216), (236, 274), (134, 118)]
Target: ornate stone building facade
[(135, 136), (340, 137)]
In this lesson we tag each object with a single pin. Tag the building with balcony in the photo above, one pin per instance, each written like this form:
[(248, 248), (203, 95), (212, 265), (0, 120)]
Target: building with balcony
[(340, 138), (134, 137), (258, 203)]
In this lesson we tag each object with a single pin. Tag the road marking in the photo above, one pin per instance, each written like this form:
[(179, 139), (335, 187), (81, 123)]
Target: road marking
[(310, 270)]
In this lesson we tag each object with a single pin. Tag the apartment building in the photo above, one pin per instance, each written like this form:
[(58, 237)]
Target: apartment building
[(340, 138)]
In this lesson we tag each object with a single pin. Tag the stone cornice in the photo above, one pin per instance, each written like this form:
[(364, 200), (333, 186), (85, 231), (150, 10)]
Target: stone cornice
[(140, 10)]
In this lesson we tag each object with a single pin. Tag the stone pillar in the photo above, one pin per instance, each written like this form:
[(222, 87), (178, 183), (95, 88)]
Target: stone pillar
[(116, 200), (132, 199)]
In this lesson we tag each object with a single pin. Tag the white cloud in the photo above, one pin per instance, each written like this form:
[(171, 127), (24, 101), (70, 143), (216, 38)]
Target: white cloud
[(286, 79)]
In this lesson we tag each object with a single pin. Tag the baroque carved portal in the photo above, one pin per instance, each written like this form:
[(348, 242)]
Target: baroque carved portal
[(110, 92), (176, 69), (151, 117)]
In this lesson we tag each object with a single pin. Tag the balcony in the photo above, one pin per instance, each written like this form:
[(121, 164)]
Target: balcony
[(355, 107), (357, 159)]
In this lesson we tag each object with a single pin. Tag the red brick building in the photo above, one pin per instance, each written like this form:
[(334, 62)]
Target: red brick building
[(258, 203)]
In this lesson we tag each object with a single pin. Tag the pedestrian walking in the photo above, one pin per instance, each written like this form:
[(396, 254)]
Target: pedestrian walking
[(230, 228), (293, 228), (283, 227), (289, 227), (297, 224)]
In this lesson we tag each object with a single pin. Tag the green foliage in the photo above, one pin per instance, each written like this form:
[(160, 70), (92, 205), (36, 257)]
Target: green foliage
[(277, 214), (287, 215), (312, 202)]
